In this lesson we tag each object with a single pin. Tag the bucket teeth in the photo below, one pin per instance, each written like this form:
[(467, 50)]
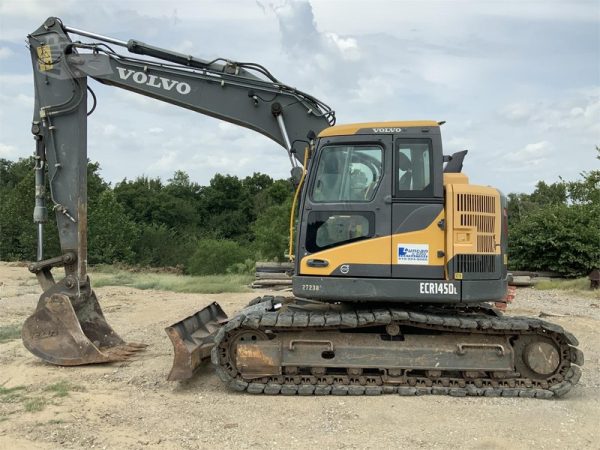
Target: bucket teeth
[(136, 345), (122, 352)]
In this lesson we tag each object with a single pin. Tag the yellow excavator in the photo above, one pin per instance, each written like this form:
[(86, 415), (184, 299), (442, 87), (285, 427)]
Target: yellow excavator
[(397, 256)]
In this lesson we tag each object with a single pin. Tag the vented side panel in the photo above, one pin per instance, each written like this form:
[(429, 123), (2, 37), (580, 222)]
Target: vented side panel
[(479, 211), (475, 263)]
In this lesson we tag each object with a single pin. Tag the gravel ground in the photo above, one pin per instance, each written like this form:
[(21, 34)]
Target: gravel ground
[(130, 405)]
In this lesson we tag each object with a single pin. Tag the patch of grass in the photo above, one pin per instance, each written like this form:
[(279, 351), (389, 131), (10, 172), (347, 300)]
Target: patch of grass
[(36, 401), (105, 268), (62, 388), (9, 332), (579, 285), (34, 404), (208, 284), (12, 395), (113, 279)]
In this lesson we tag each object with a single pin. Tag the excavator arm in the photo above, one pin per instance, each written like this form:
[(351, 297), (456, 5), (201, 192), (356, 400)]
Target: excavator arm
[(68, 326)]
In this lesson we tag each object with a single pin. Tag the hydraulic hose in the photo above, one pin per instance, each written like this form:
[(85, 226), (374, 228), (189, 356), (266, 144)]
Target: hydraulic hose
[(293, 210)]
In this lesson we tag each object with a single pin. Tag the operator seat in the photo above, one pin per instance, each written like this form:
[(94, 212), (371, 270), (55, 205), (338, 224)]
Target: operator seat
[(405, 165), (328, 182)]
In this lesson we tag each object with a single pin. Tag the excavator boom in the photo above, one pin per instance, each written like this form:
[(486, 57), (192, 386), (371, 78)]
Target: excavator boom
[(69, 327)]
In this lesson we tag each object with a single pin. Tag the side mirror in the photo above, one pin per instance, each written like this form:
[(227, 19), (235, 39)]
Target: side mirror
[(455, 163)]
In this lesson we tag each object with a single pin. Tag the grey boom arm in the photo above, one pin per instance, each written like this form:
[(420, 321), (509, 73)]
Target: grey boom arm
[(245, 94)]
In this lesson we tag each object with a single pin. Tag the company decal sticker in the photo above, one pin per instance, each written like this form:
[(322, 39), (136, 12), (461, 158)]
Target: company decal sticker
[(413, 254)]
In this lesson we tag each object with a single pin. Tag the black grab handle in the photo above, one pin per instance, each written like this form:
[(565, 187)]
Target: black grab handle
[(317, 263)]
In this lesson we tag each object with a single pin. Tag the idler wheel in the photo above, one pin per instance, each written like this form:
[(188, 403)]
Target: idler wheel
[(541, 357), (536, 357)]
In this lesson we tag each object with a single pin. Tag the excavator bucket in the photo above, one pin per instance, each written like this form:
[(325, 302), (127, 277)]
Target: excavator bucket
[(193, 339), (71, 330)]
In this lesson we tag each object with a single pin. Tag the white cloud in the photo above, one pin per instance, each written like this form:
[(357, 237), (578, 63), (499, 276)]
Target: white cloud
[(518, 112), (577, 111), (373, 90), (5, 53), (7, 151), (22, 17), (186, 46), (322, 60), (12, 80), (455, 144), (229, 131), (531, 155), (346, 46), (168, 162)]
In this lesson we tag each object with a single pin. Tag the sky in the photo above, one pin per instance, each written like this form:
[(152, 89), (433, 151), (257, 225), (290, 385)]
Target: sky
[(517, 82)]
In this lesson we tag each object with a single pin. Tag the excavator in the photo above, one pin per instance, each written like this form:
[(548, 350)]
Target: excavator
[(397, 257)]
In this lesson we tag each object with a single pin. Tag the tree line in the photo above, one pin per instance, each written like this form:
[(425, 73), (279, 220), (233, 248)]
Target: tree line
[(557, 227), (233, 222), (224, 226)]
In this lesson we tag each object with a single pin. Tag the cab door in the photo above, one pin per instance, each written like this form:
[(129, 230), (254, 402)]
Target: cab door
[(418, 241), (346, 213)]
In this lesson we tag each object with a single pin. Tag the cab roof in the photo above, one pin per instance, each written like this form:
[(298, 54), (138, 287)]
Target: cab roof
[(353, 128)]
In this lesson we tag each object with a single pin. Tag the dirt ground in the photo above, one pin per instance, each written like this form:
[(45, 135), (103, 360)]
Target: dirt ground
[(130, 405)]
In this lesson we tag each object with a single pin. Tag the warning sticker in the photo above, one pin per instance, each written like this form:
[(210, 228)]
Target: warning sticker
[(413, 254)]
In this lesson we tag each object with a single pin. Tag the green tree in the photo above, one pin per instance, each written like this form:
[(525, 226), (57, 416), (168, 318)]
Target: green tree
[(560, 238), (557, 227), (18, 233), (271, 231), (160, 246), (213, 256), (111, 232), (224, 208)]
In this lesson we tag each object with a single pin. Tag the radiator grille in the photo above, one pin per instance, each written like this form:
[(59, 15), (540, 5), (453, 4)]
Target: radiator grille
[(475, 263), (479, 211), (476, 202)]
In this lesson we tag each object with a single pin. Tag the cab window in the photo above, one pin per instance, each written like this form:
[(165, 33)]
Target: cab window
[(327, 229), (348, 173), (413, 168)]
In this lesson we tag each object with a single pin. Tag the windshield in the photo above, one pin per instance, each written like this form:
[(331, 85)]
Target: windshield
[(348, 173)]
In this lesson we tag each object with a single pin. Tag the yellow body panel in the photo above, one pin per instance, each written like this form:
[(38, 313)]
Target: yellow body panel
[(432, 235), (455, 178), (369, 251), (380, 250), (352, 128)]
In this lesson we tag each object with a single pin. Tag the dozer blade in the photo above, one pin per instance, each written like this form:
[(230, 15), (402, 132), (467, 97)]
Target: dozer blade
[(70, 330), (193, 339)]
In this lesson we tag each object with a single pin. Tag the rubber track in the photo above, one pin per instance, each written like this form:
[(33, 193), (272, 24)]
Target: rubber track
[(258, 316)]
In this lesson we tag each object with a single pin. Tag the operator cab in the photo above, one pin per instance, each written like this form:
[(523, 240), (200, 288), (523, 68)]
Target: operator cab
[(369, 183)]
